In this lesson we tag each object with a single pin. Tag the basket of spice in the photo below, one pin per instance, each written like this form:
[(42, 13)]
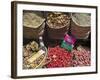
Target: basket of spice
[(33, 56), (80, 25), (57, 24), (34, 23)]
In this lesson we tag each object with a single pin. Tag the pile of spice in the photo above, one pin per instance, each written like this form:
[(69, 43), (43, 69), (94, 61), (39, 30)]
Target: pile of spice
[(30, 48), (32, 55), (59, 57), (81, 57), (82, 19), (57, 20), (33, 19)]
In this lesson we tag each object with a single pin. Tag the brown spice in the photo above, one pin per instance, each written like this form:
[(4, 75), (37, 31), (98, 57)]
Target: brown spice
[(57, 20)]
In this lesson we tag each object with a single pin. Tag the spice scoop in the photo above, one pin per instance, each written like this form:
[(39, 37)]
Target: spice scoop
[(42, 46)]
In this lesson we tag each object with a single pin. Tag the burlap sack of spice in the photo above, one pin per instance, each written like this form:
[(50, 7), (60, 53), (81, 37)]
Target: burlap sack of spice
[(33, 23), (57, 24), (80, 25)]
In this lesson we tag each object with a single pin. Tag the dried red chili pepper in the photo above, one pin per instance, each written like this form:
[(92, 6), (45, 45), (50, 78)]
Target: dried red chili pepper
[(60, 57)]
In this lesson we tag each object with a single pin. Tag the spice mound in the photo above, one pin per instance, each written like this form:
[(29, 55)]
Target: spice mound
[(57, 20), (32, 56), (82, 19), (81, 57), (59, 57), (33, 19)]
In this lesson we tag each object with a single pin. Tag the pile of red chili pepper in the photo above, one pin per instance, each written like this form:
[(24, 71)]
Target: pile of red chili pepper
[(62, 58), (59, 57)]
